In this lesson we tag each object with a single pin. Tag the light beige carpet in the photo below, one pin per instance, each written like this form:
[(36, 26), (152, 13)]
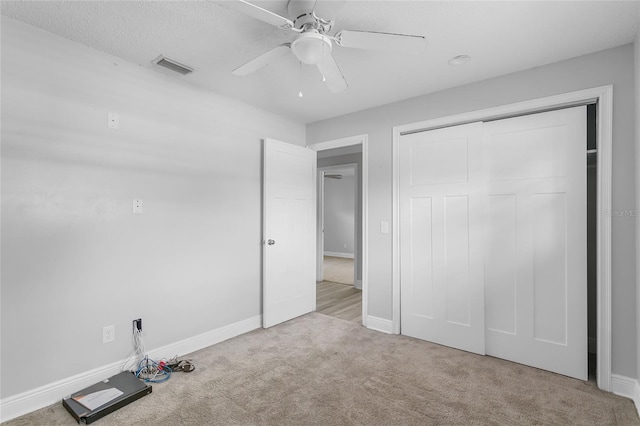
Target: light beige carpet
[(320, 370), (337, 270)]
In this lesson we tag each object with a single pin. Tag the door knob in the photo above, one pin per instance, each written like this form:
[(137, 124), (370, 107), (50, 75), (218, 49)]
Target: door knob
[(271, 242)]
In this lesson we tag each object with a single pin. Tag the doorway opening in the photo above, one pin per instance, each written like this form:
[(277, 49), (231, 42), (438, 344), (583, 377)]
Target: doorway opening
[(341, 260), (339, 292)]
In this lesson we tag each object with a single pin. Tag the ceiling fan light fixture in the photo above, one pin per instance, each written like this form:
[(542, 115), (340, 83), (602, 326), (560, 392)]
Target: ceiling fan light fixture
[(310, 48)]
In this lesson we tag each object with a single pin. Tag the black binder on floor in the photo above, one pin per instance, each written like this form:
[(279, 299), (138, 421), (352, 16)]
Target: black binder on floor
[(126, 382)]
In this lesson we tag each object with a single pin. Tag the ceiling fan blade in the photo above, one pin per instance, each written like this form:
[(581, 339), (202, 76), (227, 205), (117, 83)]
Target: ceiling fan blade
[(262, 60), (332, 74), (328, 9), (260, 14), (403, 43)]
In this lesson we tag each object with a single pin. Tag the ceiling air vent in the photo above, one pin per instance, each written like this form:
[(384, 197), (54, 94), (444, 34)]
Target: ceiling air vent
[(172, 65)]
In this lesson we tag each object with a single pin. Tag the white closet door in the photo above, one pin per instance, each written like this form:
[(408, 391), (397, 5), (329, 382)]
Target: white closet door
[(442, 296), (535, 265)]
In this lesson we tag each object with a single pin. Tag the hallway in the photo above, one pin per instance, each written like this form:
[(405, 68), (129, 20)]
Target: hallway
[(336, 296)]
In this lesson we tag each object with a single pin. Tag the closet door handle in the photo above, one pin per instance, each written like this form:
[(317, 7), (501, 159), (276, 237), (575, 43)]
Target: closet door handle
[(271, 242)]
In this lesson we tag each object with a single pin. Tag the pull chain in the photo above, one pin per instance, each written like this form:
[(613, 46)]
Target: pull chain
[(300, 94)]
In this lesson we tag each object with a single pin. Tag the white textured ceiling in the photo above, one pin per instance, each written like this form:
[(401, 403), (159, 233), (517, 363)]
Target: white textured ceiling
[(501, 37)]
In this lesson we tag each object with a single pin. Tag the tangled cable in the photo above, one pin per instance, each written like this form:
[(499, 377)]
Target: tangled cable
[(153, 371), (138, 352), (150, 370)]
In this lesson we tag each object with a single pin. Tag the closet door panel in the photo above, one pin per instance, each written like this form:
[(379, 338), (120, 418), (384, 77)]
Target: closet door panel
[(537, 253), (442, 295)]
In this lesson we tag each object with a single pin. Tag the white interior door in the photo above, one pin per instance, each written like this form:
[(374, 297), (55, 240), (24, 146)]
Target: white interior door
[(442, 296), (289, 215), (536, 271)]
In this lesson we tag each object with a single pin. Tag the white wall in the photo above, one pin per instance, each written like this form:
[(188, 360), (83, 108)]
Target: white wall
[(613, 66), (339, 214), (74, 257)]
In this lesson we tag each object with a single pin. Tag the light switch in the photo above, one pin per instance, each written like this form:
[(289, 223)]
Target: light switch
[(384, 227)]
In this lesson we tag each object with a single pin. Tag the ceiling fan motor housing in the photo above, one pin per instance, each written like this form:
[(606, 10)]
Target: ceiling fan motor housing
[(300, 12)]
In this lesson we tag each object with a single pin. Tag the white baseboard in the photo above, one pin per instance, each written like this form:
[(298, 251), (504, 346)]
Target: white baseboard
[(637, 398), (379, 324), (208, 338), (338, 254), (625, 386), (26, 402)]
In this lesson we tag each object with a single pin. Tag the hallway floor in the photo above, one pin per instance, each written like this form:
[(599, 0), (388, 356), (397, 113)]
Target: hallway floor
[(336, 296), (339, 300), (338, 270)]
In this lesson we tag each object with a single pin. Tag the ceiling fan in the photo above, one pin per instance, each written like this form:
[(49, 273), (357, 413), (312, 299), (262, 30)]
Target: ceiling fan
[(313, 20)]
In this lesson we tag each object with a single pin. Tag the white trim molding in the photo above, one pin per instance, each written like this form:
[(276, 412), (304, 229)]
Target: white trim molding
[(636, 398), (336, 254), (395, 225), (627, 387), (340, 143), (26, 402), (603, 96), (379, 324)]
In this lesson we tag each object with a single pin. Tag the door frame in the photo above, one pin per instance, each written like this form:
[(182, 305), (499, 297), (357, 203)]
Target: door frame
[(362, 140), (603, 97), (320, 221)]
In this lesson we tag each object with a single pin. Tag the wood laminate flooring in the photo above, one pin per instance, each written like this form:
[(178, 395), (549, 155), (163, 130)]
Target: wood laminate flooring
[(338, 269), (339, 300)]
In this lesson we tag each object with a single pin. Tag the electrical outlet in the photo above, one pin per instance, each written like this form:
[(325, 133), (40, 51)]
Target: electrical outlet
[(108, 333), (137, 324)]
